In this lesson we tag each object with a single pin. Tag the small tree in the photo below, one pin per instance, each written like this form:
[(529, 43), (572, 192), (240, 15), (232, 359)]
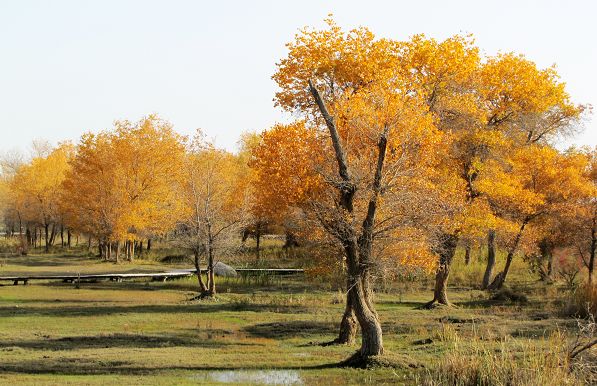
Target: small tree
[(213, 191)]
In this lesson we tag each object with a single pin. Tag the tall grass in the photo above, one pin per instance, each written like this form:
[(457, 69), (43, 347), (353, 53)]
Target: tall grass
[(542, 362), (582, 303)]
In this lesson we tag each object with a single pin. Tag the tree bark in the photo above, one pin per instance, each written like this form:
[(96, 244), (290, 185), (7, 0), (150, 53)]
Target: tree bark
[(47, 234), (490, 259), (117, 251), (53, 234), (349, 324), (467, 255), (593, 248), (68, 238), (148, 245), (211, 283), (446, 249), (258, 244), (202, 286), (357, 249)]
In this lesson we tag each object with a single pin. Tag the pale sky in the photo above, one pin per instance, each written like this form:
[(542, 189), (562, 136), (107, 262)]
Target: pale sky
[(67, 67)]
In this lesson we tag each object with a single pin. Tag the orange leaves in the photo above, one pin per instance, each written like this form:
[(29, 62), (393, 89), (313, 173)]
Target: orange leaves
[(122, 182), (285, 162), (36, 186)]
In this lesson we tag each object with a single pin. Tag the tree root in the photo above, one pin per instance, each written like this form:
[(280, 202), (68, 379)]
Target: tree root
[(432, 305), (335, 342), (203, 296), (387, 360)]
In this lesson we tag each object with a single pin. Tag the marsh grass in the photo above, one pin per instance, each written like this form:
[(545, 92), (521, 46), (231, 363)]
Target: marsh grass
[(542, 362), (142, 332)]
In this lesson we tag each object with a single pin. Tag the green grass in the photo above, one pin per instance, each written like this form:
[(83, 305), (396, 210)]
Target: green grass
[(143, 332)]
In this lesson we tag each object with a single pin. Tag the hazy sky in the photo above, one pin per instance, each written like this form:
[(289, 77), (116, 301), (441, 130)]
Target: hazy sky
[(67, 67)]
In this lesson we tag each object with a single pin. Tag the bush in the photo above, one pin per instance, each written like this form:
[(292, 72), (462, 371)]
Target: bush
[(9, 245)]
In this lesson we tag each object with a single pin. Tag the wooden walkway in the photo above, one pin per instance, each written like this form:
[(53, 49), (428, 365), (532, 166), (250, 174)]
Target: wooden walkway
[(157, 276)]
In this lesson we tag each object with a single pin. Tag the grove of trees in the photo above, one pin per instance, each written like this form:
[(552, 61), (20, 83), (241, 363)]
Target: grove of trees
[(400, 153)]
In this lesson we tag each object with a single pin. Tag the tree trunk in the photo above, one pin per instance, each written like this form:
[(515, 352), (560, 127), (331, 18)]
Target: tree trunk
[(62, 236), (371, 333), (291, 240), (148, 245), (68, 238), (47, 230), (467, 255), (358, 248), (211, 283), (446, 249), (500, 278), (89, 243), (53, 235), (132, 257), (28, 236), (348, 326), (490, 259), (546, 249), (258, 242), (593, 249), (202, 286), (118, 252)]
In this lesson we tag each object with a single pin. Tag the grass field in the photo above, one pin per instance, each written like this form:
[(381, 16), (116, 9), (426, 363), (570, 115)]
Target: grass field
[(255, 332)]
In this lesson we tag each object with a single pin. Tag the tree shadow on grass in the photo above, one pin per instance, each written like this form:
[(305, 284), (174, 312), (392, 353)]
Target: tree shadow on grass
[(125, 341), (291, 329), (71, 311), (84, 366)]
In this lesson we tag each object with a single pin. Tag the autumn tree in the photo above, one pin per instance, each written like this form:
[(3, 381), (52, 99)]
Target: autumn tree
[(486, 108), (122, 183), (536, 181), (36, 187), (372, 134), (214, 197)]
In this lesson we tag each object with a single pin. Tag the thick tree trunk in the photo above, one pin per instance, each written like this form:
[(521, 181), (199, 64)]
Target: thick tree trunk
[(490, 259), (148, 245), (62, 236), (358, 247), (68, 238), (348, 326), (467, 255), (445, 250), (371, 333)]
